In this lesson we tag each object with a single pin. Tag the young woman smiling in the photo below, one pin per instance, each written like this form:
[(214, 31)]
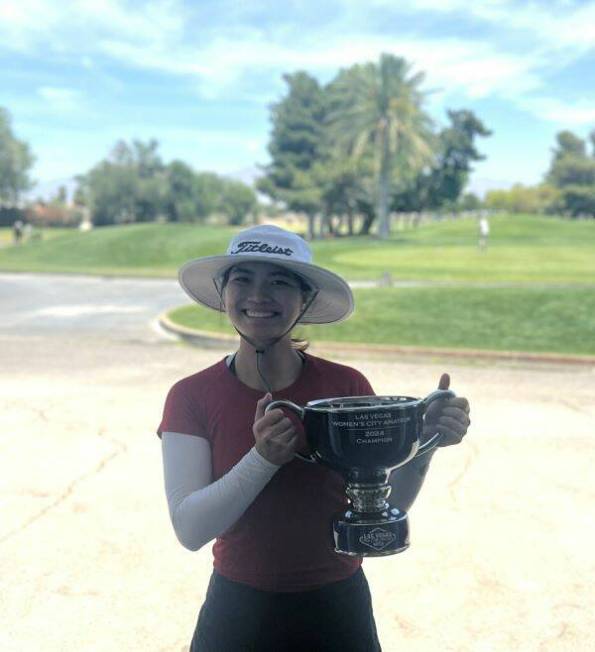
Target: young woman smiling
[(231, 473)]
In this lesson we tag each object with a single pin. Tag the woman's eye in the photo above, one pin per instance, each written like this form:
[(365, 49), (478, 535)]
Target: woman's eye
[(240, 279)]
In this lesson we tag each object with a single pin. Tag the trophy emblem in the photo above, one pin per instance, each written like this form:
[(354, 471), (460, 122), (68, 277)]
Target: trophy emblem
[(365, 438)]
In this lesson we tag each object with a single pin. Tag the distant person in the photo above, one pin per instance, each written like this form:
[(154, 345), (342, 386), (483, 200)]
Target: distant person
[(230, 469), (484, 232), (17, 231)]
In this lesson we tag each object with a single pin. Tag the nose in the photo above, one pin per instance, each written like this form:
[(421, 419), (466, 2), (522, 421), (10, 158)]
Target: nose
[(259, 291)]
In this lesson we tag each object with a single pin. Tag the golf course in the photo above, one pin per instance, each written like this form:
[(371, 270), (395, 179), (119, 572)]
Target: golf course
[(532, 289)]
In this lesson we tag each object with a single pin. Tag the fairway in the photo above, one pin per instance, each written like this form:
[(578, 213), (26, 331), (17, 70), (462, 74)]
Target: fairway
[(498, 319), (531, 249), (546, 264)]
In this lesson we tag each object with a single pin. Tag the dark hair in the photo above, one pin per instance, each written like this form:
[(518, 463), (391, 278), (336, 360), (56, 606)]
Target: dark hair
[(297, 343)]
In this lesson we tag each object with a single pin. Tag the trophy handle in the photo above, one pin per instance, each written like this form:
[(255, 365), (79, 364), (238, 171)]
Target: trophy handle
[(430, 398), (300, 412)]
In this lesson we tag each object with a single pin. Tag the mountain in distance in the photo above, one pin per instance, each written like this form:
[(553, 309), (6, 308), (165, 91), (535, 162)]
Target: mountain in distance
[(247, 175)]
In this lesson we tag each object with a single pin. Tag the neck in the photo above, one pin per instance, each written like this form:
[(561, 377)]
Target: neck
[(280, 364)]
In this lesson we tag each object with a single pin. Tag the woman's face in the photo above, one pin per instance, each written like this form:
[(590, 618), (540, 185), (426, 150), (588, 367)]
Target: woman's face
[(262, 299)]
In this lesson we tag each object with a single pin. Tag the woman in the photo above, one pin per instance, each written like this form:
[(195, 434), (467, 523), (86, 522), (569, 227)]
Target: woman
[(231, 472)]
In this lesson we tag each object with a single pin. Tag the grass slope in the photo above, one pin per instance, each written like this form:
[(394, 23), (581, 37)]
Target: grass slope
[(521, 249), (499, 319)]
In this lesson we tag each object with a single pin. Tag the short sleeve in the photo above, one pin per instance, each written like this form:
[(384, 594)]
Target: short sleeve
[(362, 385), (180, 413)]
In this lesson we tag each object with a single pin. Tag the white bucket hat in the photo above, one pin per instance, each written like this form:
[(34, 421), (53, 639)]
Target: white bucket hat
[(270, 244)]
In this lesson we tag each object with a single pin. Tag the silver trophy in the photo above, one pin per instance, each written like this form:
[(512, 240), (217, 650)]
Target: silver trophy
[(365, 438)]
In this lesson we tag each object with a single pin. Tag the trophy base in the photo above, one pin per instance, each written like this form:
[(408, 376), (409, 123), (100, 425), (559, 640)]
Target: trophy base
[(371, 535)]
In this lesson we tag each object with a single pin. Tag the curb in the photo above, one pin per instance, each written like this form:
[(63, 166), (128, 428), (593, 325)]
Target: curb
[(211, 340)]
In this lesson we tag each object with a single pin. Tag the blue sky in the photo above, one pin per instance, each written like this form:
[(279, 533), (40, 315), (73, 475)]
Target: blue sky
[(200, 76)]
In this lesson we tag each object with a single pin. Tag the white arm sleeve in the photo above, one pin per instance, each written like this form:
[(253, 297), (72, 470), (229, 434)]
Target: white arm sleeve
[(201, 510)]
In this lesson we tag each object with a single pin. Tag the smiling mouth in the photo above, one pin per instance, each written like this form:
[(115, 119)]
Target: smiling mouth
[(260, 314)]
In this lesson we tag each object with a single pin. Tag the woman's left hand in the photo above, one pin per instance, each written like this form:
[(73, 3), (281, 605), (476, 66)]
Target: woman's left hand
[(449, 417)]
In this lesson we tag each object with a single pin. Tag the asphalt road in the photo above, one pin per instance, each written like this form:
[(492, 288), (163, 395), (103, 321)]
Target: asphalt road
[(503, 532), (55, 305)]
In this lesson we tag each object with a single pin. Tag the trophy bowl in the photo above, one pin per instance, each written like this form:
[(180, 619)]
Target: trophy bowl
[(365, 438)]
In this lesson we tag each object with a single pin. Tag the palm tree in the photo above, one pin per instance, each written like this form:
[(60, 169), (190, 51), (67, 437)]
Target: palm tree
[(379, 106)]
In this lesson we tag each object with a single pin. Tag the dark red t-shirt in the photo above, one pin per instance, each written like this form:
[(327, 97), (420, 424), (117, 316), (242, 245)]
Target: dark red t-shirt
[(283, 541)]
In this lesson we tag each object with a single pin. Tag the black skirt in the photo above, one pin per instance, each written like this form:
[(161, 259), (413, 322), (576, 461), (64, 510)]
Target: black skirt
[(337, 617)]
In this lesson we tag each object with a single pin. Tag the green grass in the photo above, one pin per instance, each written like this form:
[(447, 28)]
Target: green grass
[(499, 319), (522, 249), (6, 236), (138, 250)]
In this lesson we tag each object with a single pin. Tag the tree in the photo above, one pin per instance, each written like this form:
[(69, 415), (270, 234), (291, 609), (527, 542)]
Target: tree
[(344, 188), (62, 195), (110, 192), (579, 200), (129, 186), (567, 144), (191, 196), (470, 202), (15, 161), (150, 185), (380, 106), (592, 140), (523, 199), (295, 146), (237, 201), (455, 153), (208, 188), (180, 202), (572, 172)]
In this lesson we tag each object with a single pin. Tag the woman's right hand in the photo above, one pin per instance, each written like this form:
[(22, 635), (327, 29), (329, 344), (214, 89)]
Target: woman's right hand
[(275, 435)]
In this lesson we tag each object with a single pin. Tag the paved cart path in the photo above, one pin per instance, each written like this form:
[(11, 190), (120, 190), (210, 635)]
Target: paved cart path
[(502, 533)]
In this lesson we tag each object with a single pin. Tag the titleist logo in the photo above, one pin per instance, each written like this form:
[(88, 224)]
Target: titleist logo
[(250, 246)]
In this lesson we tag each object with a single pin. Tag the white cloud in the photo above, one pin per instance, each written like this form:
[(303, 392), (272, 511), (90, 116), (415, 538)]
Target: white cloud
[(563, 113), (159, 21), (152, 36), (60, 99), (476, 69), (554, 23), (33, 25), (26, 23)]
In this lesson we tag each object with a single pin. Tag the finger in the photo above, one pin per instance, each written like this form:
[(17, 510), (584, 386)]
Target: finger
[(284, 442), (456, 413), (261, 404), (449, 435), (452, 424), (444, 382), (275, 421), (277, 429), (459, 402), (272, 417), (450, 438), (286, 437)]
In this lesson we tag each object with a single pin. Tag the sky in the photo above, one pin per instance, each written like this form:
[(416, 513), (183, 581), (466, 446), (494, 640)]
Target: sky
[(200, 76)]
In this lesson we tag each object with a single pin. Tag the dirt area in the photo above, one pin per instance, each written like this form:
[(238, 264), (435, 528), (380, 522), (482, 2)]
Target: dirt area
[(502, 535)]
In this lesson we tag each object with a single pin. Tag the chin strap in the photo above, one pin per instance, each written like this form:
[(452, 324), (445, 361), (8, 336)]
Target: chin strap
[(260, 351)]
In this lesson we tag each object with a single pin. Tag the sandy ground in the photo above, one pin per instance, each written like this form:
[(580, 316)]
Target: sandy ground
[(503, 532)]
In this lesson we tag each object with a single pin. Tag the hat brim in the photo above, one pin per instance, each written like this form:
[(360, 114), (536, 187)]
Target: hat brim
[(333, 303)]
